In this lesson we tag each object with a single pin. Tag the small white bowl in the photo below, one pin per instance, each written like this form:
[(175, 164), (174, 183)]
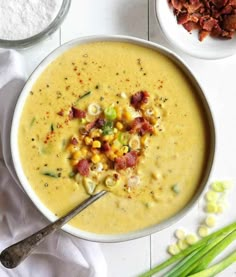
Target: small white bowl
[(210, 48)]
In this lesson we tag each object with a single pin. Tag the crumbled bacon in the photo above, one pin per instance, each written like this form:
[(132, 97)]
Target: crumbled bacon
[(211, 17), (128, 160), (105, 146), (61, 112), (230, 22), (83, 167), (141, 126), (98, 123), (76, 113), (74, 141), (139, 98)]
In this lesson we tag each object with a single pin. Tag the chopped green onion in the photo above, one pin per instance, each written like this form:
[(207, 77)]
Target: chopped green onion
[(180, 234), (173, 249), (218, 186), (203, 231), (134, 142), (94, 109), (186, 266), (32, 121), (52, 127), (50, 174), (82, 96), (123, 138), (182, 244), (211, 207), (107, 128), (175, 188), (191, 239), (110, 113), (71, 174), (111, 182), (210, 221), (89, 185), (211, 196)]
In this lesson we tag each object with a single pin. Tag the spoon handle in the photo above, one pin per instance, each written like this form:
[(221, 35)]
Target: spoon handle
[(16, 253)]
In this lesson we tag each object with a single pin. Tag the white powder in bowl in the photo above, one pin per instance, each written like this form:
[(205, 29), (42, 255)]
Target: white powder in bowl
[(20, 19)]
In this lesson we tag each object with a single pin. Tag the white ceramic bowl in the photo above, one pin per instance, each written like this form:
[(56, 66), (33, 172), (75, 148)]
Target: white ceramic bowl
[(210, 48), (16, 156)]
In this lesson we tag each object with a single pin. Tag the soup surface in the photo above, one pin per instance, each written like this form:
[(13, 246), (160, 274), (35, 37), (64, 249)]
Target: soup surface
[(115, 116)]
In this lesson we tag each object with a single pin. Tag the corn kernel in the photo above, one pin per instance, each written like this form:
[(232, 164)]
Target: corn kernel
[(96, 144), (112, 156), (144, 140), (72, 148), (115, 130), (95, 133), (114, 147), (108, 137), (127, 115), (95, 158), (76, 155), (118, 113), (73, 162), (119, 126), (88, 140), (105, 166), (84, 151), (153, 120)]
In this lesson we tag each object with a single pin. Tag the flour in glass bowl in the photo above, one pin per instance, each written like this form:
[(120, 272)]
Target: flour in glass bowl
[(21, 19)]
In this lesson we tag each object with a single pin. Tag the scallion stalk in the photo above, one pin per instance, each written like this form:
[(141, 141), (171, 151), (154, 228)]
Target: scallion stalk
[(203, 242), (215, 269)]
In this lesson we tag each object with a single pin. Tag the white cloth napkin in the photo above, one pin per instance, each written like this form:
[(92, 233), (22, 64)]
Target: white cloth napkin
[(60, 254)]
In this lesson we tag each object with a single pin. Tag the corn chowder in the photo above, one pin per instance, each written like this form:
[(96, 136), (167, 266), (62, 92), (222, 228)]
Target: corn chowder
[(119, 117)]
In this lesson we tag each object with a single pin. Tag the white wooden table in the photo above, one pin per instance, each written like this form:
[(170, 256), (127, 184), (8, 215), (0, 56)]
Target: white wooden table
[(137, 18)]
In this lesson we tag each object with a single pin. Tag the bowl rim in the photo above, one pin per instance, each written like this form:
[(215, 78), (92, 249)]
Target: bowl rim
[(196, 54), (16, 156), (49, 30)]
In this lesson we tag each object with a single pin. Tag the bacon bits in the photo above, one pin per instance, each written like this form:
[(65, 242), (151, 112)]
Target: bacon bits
[(83, 167), (74, 141), (139, 98), (141, 126), (76, 113), (128, 160), (216, 18)]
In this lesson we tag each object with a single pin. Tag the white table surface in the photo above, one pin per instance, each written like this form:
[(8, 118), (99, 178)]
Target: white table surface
[(137, 18)]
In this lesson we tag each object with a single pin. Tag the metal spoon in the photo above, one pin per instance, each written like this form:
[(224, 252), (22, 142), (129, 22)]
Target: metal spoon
[(16, 253)]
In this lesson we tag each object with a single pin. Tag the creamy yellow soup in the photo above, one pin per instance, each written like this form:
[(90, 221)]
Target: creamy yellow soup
[(151, 172)]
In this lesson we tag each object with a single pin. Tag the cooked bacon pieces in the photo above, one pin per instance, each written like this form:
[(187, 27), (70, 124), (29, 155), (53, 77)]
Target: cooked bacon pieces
[(83, 167), (76, 113), (139, 98), (216, 18), (141, 126), (128, 160)]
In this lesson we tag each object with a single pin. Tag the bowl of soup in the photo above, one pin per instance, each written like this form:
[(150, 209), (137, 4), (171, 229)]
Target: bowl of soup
[(113, 113)]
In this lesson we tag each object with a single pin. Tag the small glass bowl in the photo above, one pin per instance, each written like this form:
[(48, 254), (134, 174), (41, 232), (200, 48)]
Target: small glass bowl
[(50, 29)]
